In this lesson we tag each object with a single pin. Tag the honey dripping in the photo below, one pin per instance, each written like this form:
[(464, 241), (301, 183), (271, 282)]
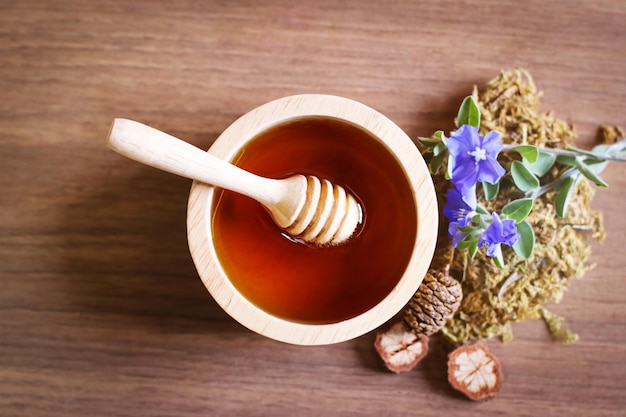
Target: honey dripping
[(305, 283)]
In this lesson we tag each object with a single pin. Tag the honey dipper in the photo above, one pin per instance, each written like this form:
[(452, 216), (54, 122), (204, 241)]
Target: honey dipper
[(306, 207)]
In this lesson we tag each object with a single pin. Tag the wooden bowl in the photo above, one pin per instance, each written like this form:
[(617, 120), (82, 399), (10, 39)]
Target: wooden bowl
[(230, 143)]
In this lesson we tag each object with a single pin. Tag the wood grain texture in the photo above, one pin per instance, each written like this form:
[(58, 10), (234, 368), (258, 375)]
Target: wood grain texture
[(101, 310)]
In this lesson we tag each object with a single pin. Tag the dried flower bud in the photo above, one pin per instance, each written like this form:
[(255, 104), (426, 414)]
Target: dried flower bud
[(474, 371), (611, 134), (435, 301), (400, 348)]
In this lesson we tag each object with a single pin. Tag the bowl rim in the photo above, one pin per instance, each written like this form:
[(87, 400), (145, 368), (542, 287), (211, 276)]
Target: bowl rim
[(237, 135)]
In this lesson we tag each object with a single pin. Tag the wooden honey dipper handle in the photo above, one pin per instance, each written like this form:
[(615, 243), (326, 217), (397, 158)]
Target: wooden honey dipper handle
[(289, 200)]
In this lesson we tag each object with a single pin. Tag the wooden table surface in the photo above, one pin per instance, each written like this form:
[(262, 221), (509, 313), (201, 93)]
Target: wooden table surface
[(101, 310)]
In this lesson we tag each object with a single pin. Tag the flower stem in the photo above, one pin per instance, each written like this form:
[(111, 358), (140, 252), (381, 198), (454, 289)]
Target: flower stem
[(551, 185), (574, 154)]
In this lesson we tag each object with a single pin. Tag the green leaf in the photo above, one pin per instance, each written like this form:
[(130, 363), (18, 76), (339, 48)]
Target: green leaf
[(469, 113), (462, 245), (518, 209), (466, 242), (589, 173), (436, 162), (567, 160), (596, 165), (440, 148), (481, 210), (523, 178), (472, 248), (428, 156), (437, 139), (617, 149), (429, 142), (490, 190), (544, 162), (526, 242), (563, 195), (528, 152)]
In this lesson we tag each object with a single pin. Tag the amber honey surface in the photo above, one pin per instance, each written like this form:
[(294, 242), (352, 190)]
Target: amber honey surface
[(305, 283)]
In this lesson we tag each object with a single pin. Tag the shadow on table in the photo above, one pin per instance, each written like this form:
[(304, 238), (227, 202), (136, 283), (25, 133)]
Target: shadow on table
[(125, 250)]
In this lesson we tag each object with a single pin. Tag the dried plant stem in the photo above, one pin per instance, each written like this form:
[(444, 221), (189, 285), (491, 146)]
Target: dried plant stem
[(554, 184)]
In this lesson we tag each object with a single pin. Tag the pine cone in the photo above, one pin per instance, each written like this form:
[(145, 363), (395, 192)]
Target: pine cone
[(435, 301)]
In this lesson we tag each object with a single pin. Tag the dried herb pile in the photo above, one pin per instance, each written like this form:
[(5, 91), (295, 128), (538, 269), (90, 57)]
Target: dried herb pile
[(493, 298), (510, 247)]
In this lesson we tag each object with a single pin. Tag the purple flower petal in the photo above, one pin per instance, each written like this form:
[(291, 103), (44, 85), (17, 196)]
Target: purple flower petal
[(492, 143), (498, 232), (509, 232), (457, 209), (463, 140), (490, 171), (492, 250), (470, 197), (464, 175), (455, 233)]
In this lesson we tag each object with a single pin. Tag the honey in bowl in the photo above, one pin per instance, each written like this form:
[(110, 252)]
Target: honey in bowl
[(302, 282)]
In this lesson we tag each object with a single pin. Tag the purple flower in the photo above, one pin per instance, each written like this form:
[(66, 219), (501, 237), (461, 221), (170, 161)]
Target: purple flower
[(499, 231), (473, 158), (458, 209), (455, 233)]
